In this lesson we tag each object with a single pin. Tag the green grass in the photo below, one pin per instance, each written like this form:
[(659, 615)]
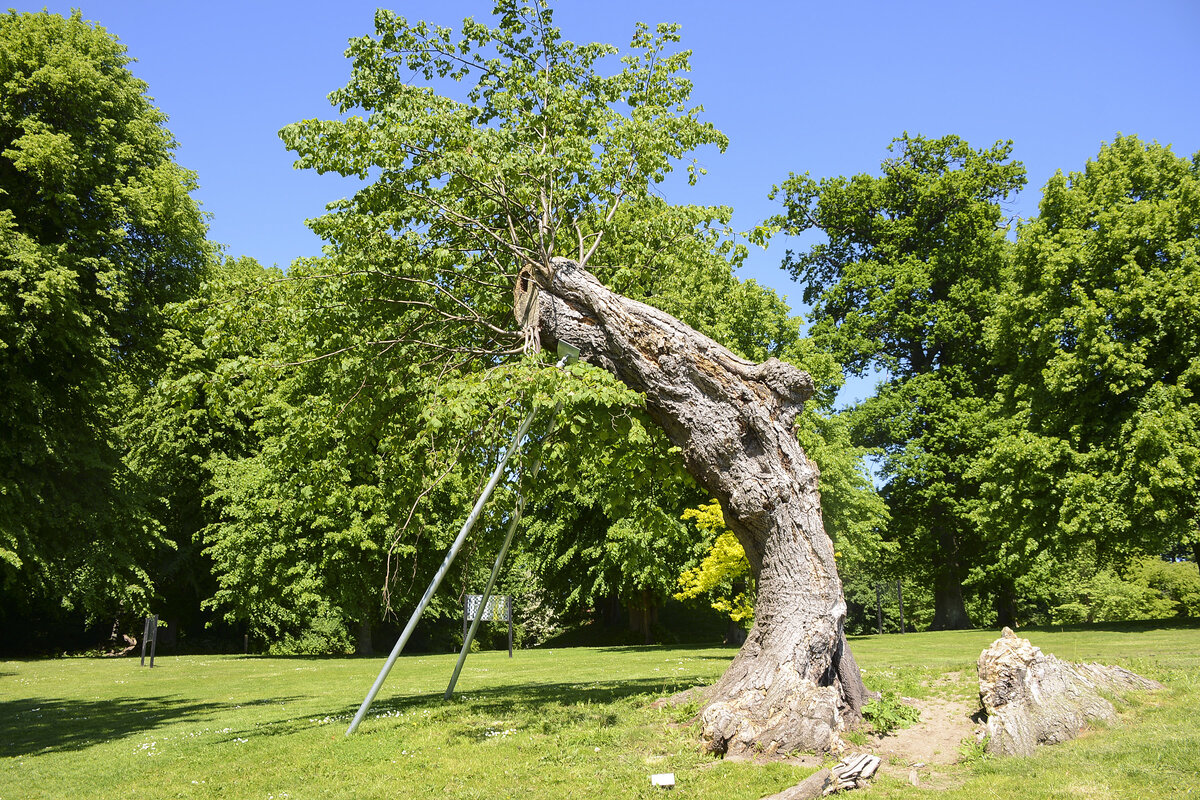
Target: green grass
[(550, 723)]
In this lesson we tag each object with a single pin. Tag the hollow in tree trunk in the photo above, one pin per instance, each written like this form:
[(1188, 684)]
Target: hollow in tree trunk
[(794, 684)]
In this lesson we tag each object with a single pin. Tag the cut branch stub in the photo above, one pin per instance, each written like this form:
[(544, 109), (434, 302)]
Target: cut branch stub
[(794, 683)]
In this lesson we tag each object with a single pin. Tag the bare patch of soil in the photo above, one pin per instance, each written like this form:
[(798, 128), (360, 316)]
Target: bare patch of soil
[(933, 740), (921, 753)]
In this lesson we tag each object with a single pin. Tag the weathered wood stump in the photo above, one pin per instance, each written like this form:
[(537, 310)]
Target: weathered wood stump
[(129, 644), (1033, 698)]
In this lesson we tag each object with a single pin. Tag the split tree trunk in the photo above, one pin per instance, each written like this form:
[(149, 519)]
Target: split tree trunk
[(794, 684)]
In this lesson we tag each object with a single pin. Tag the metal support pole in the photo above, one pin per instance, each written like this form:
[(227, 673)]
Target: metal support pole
[(508, 613), (900, 602), (487, 593), (487, 590), (441, 573)]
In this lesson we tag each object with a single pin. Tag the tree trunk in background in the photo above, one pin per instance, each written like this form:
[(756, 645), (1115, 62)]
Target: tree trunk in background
[(362, 640), (1006, 605), (949, 608), (735, 634), (643, 615), (610, 611), (794, 684), (1196, 553)]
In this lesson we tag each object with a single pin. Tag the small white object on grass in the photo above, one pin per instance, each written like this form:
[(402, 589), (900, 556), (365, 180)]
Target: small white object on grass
[(666, 780)]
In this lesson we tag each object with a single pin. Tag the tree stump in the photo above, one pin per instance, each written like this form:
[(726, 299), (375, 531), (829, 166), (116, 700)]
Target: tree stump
[(1033, 698)]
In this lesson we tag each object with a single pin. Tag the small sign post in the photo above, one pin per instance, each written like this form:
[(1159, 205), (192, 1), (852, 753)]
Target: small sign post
[(150, 636)]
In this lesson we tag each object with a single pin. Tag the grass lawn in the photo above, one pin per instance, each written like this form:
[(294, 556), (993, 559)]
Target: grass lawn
[(548, 723)]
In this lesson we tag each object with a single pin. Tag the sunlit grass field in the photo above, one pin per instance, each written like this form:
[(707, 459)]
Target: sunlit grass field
[(547, 723)]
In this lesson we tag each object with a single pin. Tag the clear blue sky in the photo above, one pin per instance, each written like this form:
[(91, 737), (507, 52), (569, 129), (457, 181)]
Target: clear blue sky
[(797, 86)]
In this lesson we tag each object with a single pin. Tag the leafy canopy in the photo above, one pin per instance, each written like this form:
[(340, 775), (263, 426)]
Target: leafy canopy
[(491, 149), (1098, 339), (905, 275)]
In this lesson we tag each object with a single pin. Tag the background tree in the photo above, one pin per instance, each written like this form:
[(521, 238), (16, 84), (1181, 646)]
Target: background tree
[(907, 274), (197, 413), (98, 231), (1097, 338), (478, 189)]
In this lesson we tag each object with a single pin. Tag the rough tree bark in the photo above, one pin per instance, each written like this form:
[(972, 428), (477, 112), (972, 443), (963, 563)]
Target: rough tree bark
[(1031, 698), (794, 684)]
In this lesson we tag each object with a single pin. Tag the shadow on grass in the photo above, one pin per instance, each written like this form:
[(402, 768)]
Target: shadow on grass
[(41, 725), (727, 654), (558, 705), (1134, 626)]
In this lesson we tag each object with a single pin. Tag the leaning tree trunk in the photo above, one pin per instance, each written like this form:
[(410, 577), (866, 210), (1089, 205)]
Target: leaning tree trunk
[(794, 683)]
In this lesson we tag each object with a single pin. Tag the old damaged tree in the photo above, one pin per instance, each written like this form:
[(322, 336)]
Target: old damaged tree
[(484, 188), (794, 677)]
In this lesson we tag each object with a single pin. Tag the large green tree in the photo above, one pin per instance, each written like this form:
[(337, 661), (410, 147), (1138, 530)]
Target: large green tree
[(1097, 337), (495, 153), (196, 413), (902, 283), (98, 231)]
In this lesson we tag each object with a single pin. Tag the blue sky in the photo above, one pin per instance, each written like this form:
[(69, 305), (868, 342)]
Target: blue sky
[(797, 86)]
